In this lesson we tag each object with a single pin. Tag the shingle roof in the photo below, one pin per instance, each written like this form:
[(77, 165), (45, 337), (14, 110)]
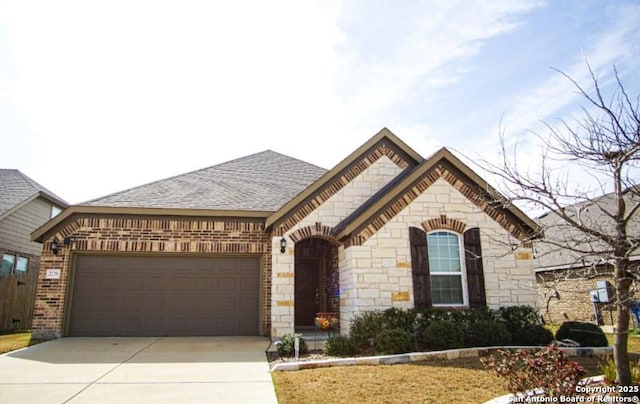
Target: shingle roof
[(259, 182), (16, 188), (550, 253)]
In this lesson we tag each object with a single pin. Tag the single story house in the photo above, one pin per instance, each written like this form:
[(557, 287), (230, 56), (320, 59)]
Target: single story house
[(25, 205), (569, 278), (258, 245)]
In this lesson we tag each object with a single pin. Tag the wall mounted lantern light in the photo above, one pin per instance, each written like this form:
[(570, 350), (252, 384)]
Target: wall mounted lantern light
[(54, 247), (283, 245)]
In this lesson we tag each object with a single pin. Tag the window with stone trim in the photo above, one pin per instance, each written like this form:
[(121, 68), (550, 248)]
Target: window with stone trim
[(446, 269), (454, 276)]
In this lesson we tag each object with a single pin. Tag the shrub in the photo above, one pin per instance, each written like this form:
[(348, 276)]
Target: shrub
[(486, 333), (547, 369), (365, 327), (440, 335), (586, 334), (398, 318), (467, 316), (339, 345), (395, 341), (516, 317), (286, 347), (532, 335)]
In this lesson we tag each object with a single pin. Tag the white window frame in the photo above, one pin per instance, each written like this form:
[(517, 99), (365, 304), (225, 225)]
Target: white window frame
[(463, 270)]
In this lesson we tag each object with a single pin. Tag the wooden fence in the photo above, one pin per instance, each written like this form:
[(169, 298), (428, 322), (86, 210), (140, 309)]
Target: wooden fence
[(17, 298)]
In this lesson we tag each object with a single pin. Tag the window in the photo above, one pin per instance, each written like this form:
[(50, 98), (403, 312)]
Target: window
[(13, 264), (21, 265), (55, 211), (8, 261), (446, 269)]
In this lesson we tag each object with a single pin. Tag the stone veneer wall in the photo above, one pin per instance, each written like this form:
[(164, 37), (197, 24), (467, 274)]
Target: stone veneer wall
[(573, 302), (318, 223), (128, 234), (377, 274)]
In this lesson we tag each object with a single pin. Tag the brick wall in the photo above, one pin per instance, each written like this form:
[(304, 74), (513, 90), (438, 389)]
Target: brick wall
[(127, 234)]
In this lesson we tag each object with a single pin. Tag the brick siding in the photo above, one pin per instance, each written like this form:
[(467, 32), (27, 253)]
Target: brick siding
[(122, 234)]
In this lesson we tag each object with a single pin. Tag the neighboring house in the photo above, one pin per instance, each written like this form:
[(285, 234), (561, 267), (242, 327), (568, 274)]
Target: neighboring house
[(258, 245), (25, 205), (566, 279)]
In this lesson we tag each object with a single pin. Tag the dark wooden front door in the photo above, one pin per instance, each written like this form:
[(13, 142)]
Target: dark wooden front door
[(306, 290)]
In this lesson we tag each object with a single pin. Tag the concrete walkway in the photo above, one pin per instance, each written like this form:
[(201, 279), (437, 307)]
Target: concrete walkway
[(139, 370)]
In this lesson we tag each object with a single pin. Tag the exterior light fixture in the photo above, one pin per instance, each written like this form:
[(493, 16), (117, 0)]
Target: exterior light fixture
[(283, 245), (54, 247), (68, 240)]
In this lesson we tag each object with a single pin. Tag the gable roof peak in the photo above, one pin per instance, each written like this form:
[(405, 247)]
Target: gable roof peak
[(16, 188)]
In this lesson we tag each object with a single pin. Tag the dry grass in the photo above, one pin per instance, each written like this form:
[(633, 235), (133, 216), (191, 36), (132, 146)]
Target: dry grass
[(432, 382), (11, 342), (460, 381)]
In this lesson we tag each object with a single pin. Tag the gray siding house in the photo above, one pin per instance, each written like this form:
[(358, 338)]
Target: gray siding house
[(25, 205)]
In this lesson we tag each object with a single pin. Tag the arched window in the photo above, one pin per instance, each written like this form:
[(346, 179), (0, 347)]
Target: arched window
[(446, 267)]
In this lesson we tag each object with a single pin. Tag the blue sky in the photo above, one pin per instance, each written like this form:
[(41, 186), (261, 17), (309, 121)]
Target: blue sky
[(100, 96)]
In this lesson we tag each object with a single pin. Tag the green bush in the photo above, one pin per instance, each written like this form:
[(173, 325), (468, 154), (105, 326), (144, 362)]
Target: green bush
[(395, 341), (286, 347), (339, 345), (486, 333), (466, 316), (585, 334), (365, 327), (441, 334), (532, 335), (516, 317), (398, 318)]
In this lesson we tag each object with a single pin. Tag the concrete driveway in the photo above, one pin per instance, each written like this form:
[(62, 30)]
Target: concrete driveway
[(139, 370)]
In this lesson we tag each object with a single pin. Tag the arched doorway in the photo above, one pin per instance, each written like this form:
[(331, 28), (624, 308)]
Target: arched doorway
[(316, 280)]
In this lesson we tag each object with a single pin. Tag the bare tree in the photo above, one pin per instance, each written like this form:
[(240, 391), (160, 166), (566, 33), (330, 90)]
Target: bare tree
[(597, 231)]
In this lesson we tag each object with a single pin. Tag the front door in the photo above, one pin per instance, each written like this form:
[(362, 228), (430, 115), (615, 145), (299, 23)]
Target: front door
[(306, 291)]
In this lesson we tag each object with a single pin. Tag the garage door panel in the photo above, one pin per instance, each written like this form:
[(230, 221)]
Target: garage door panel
[(161, 295), (156, 283)]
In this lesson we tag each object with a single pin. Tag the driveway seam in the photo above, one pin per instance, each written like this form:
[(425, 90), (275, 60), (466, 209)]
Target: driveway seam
[(112, 369)]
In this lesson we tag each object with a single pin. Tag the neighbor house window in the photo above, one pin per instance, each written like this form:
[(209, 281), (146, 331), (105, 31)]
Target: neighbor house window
[(21, 265), (8, 261), (446, 269), (55, 211), (14, 264)]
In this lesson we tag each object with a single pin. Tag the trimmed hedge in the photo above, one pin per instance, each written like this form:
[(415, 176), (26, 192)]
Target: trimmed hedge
[(441, 335), (395, 341), (586, 334)]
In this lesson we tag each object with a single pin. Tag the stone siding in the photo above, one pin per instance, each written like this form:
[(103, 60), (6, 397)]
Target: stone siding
[(318, 223), (377, 274)]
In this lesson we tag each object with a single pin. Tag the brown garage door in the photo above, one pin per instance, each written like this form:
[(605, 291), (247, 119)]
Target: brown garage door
[(157, 296)]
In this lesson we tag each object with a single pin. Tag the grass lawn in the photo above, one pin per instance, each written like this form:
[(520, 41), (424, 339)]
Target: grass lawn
[(461, 381), (11, 342)]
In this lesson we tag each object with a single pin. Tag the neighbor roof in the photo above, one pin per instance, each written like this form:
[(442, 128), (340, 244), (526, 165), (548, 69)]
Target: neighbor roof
[(259, 182), (16, 189), (595, 213)]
